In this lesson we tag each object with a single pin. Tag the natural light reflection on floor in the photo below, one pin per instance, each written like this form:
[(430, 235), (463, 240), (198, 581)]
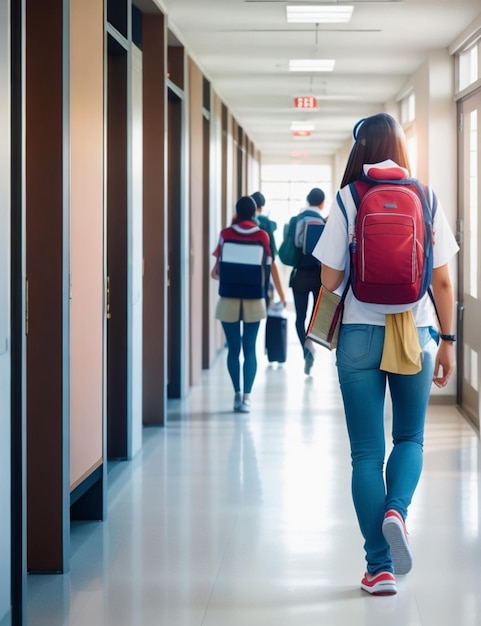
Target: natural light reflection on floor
[(247, 520)]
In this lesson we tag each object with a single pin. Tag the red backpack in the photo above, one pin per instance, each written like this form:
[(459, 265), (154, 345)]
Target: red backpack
[(392, 249)]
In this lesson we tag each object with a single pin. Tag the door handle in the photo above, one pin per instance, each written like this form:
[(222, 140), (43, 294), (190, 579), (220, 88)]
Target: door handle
[(26, 306), (107, 298)]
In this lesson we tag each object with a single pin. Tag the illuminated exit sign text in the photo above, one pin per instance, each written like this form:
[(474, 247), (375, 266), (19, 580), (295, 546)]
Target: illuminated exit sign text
[(305, 102)]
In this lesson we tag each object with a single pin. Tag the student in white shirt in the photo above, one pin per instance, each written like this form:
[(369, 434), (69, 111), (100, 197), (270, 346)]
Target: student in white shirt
[(382, 492)]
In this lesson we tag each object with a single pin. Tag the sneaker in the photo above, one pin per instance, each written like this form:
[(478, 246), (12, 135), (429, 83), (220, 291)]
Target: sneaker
[(382, 584), (308, 361), (394, 531), (245, 406), (237, 402)]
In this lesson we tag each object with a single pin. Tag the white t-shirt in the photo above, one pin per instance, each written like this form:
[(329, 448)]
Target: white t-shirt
[(332, 249)]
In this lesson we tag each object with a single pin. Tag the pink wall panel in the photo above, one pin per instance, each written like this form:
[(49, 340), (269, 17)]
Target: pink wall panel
[(86, 109)]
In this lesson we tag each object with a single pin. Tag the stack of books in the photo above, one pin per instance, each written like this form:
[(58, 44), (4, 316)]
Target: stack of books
[(326, 319)]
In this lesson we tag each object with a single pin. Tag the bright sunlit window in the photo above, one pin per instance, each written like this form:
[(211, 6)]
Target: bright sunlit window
[(286, 187)]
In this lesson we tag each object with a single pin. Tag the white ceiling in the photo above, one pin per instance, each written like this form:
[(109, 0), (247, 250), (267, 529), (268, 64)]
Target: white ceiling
[(244, 46)]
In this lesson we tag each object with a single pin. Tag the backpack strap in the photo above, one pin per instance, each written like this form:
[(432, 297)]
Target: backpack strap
[(341, 204), (431, 295), (425, 200), (432, 200), (432, 204), (310, 213), (358, 189), (356, 199)]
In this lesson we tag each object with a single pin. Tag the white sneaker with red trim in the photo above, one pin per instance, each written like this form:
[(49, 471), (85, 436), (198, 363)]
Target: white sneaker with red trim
[(382, 584), (394, 531)]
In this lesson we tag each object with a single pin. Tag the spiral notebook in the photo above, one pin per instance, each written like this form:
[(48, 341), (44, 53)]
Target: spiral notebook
[(326, 318)]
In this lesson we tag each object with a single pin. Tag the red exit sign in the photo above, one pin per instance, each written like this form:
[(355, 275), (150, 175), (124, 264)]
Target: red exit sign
[(305, 102)]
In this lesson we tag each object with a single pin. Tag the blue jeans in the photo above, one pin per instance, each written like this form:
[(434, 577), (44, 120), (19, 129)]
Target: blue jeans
[(363, 388), (246, 340)]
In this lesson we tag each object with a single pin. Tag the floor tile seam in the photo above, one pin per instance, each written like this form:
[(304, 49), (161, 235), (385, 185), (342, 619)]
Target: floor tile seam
[(219, 568)]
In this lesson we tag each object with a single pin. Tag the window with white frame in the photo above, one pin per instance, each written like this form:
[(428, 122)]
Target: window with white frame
[(408, 115), (468, 66)]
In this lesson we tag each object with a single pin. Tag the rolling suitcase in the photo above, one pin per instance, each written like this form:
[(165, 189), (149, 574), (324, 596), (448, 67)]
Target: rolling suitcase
[(276, 334)]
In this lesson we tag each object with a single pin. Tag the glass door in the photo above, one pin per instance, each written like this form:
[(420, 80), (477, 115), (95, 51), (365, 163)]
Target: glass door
[(469, 286)]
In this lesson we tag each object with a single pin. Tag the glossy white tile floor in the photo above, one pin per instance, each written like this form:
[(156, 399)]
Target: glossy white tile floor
[(232, 520)]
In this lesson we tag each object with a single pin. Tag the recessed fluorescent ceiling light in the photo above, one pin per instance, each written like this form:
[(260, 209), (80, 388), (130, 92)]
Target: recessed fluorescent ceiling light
[(311, 65), (319, 14), (300, 126)]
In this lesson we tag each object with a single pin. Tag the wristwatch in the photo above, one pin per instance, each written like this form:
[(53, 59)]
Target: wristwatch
[(451, 338)]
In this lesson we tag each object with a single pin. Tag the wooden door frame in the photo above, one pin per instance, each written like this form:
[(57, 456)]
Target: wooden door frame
[(116, 248), (178, 266)]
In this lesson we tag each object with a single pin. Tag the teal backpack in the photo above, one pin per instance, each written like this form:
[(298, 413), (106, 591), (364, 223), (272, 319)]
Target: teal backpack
[(301, 256), (289, 253), (269, 226)]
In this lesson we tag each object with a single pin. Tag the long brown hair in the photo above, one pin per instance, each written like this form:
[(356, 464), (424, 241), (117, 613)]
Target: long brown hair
[(376, 139)]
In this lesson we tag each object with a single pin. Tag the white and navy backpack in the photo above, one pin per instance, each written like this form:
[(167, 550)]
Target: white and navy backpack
[(243, 270)]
